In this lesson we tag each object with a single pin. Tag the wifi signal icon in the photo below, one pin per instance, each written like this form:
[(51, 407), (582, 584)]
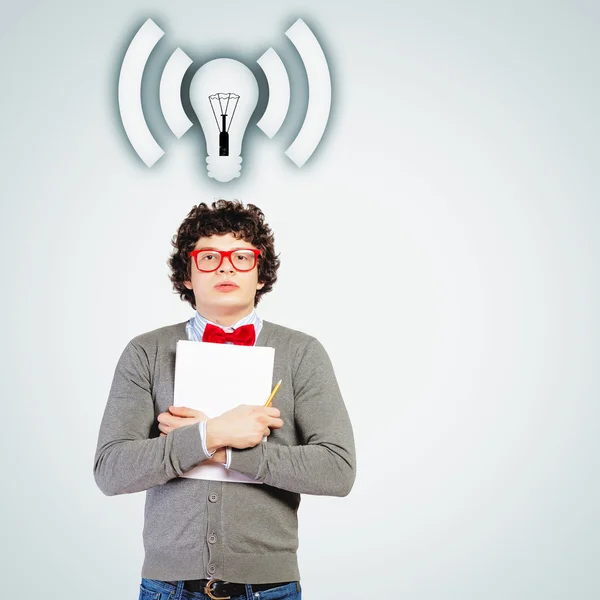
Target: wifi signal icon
[(224, 94)]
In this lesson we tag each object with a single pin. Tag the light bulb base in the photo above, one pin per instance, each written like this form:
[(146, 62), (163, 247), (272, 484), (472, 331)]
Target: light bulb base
[(224, 168)]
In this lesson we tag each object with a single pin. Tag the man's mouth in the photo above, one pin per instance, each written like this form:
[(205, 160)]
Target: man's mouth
[(226, 285)]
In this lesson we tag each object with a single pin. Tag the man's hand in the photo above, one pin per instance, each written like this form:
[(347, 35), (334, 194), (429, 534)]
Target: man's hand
[(180, 416), (242, 427)]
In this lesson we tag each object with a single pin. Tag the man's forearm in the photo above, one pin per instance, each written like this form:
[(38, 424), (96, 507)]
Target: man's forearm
[(127, 466), (319, 469)]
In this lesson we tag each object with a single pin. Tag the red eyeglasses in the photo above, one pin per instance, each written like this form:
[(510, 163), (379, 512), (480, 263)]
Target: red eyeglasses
[(242, 259)]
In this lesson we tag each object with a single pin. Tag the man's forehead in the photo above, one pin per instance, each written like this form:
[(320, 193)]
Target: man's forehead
[(222, 242)]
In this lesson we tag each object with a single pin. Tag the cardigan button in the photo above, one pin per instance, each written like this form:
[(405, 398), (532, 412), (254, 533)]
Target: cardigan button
[(213, 497), (211, 569), (212, 538)]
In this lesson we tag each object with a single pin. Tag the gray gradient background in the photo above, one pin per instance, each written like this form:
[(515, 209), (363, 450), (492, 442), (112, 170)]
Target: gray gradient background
[(461, 164)]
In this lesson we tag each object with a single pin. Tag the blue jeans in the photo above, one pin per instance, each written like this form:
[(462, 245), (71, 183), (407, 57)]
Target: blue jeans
[(152, 589)]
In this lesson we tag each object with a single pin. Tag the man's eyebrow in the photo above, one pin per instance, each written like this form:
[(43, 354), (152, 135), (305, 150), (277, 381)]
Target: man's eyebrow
[(218, 249)]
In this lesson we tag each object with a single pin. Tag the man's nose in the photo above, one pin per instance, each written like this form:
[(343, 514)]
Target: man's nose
[(224, 265)]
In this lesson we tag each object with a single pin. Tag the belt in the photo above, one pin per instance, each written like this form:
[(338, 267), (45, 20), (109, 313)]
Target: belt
[(215, 588)]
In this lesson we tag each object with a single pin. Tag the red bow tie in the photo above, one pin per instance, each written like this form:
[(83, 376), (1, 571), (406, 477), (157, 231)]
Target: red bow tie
[(243, 335)]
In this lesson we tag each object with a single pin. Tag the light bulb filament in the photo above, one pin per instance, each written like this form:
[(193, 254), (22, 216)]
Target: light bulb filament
[(223, 101)]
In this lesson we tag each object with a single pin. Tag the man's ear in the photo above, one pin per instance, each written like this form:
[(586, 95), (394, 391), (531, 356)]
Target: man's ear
[(260, 285), (188, 284)]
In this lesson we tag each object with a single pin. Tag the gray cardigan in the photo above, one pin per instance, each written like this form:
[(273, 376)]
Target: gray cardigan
[(237, 532)]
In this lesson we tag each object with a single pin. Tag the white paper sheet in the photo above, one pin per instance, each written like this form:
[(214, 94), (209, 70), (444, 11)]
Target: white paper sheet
[(214, 378)]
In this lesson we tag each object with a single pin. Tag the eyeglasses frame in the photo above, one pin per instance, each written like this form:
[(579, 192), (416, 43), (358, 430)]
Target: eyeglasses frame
[(225, 254)]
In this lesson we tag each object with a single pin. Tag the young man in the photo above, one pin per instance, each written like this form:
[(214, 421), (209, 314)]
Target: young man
[(208, 539)]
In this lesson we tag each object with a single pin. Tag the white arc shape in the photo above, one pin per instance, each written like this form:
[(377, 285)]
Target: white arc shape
[(170, 92), (130, 92), (319, 93), (279, 92)]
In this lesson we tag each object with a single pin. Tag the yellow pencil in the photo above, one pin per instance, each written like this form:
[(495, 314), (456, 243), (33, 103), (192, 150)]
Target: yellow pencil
[(275, 389)]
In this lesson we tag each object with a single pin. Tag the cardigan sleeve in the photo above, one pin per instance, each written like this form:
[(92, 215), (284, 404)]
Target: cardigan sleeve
[(325, 463), (127, 459)]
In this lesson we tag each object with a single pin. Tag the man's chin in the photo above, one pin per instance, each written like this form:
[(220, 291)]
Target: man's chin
[(230, 303)]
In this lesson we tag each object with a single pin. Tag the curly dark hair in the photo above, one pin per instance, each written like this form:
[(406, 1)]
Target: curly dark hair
[(222, 217)]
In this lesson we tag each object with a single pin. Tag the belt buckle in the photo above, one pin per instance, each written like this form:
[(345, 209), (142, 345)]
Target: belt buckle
[(208, 591)]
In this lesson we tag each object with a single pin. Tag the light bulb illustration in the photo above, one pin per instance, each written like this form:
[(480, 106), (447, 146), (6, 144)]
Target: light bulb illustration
[(224, 94)]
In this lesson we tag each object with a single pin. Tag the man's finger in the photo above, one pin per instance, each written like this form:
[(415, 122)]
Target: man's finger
[(167, 417), (180, 410), (272, 411)]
